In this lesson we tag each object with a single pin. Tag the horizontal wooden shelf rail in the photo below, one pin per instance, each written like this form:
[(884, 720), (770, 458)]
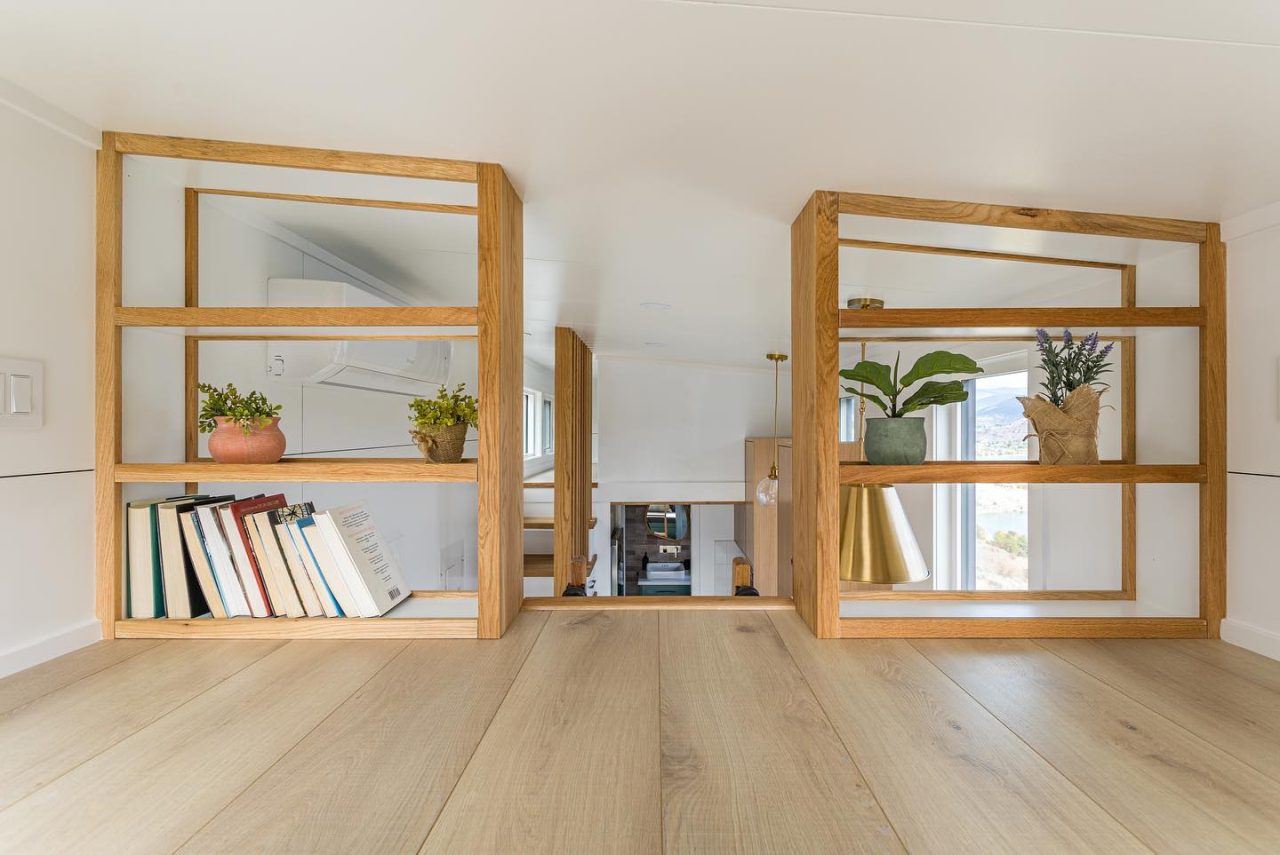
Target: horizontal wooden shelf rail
[(1145, 316), (641, 603), (421, 207), (284, 628), (1033, 627), (1006, 216), (324, 470), (985, 254), (971, 472), (296, 316), (328, 160)]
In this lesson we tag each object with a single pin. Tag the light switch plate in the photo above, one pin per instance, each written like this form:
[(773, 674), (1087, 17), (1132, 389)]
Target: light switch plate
[(21, 388)]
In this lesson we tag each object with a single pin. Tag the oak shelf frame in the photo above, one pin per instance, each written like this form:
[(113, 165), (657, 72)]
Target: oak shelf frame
[(1023, 627), (296, 316), (292, 628), (421, 207), (640, 603), (817, 322), (1114, 317), (496, 323), (1029, 472), (309, 470)]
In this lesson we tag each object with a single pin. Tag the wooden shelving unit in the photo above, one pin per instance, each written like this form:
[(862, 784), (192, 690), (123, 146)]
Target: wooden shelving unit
[(495, 323), (817, 321), (981, 472), (344, 469)]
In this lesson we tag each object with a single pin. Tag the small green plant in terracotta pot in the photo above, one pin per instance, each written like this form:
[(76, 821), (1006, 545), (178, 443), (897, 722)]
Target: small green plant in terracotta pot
[(899, 437), (440, 423), (241, 428)]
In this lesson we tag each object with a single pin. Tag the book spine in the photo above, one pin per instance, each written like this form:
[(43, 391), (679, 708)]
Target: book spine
[(297, 570), (328, 602), (237, 542), (202, 564), (346, 566)]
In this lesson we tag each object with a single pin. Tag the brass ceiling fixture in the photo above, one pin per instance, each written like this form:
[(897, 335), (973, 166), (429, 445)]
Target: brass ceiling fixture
[(767, 489), (877, 544)]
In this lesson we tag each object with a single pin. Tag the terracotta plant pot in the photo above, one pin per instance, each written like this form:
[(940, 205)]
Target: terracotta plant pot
[(230, 444), (441, 443)]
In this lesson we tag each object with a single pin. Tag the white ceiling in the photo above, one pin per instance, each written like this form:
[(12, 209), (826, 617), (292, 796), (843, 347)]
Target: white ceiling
[(663, 147)]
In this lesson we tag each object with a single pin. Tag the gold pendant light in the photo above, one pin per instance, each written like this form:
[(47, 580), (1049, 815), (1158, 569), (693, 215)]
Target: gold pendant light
[(877, 544), (767, 489)]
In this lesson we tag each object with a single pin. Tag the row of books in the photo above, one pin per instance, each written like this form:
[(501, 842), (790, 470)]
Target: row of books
[(261, 557)]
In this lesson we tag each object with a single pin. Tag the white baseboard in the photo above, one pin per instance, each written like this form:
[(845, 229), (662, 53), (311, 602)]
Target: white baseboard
[(1251, 637), (50, 647)]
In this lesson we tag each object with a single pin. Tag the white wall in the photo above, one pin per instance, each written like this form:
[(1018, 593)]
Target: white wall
[(46, 520), (675, 432), (1253, 434)]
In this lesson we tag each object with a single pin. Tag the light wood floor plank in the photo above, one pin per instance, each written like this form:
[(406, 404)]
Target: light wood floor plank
[(49, 736), (750, 762), (374, 776), (570, 762), (1173, 790), (950, 776), (153, 790), (1234, 660), (1235, 714), (25, 686)]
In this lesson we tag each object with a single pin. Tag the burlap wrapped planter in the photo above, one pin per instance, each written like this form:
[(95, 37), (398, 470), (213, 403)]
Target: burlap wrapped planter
[(1067, 434), (441, 443)]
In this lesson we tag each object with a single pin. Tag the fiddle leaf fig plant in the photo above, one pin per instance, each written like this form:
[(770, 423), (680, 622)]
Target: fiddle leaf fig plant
[(892, 386), (248, 411)]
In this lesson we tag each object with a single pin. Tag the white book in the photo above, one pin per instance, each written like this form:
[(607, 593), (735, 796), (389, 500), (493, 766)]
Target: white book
[(328, 567), (224, 570), (272, 563), (328, 602), (258, 605), (200, 561), (302, 579), (142, 546), (173, 559), (365, 558)]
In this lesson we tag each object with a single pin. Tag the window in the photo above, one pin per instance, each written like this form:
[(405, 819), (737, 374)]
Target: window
[(548, 426), (848, 419), (994, 518), (530, 423)]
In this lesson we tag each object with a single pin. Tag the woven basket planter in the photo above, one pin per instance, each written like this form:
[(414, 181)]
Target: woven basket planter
[(441, 443), (1067, 434)]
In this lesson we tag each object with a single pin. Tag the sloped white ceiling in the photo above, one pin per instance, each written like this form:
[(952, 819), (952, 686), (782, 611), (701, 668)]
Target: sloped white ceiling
[(663, 148)]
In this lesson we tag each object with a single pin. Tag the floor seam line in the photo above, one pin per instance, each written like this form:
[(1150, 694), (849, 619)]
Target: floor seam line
[(134, 733), (497, 708), (1214, 746), (662, 795), (826, 715), (1018, 736), (160, 643), (286, 751)]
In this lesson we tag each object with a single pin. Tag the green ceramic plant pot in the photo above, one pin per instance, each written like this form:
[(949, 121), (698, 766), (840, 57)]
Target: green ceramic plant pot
[(892, 442)]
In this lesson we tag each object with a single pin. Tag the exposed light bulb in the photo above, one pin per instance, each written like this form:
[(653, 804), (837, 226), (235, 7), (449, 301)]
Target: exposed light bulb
[(767, 491)]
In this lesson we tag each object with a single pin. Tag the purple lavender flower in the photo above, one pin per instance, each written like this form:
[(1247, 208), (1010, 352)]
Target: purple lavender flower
[(1091, 342), (1066, 337), (1042, 339), (1106, 350)]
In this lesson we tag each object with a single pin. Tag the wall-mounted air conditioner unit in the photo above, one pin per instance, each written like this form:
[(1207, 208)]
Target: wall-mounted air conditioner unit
[(414, 368)]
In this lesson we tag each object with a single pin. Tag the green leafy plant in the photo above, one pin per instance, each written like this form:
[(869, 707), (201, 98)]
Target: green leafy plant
[(887, 382), (248, 411), (1076, 363), (445, 409)]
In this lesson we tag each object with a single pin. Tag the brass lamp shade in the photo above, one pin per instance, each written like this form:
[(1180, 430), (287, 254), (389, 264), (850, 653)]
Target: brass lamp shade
[(876, 542)]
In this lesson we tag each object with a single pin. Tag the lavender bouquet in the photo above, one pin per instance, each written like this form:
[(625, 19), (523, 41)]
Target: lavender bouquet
[(1076, 363)]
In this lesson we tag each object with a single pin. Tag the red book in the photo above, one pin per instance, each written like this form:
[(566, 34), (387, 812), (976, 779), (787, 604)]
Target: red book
[(242, 553)]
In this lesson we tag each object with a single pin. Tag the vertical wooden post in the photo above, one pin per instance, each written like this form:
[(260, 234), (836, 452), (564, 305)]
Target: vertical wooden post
[(1213, 430), (1129, 440), (572, 496), (815, 361), (107, 494), (191, 297), (500, 306)]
